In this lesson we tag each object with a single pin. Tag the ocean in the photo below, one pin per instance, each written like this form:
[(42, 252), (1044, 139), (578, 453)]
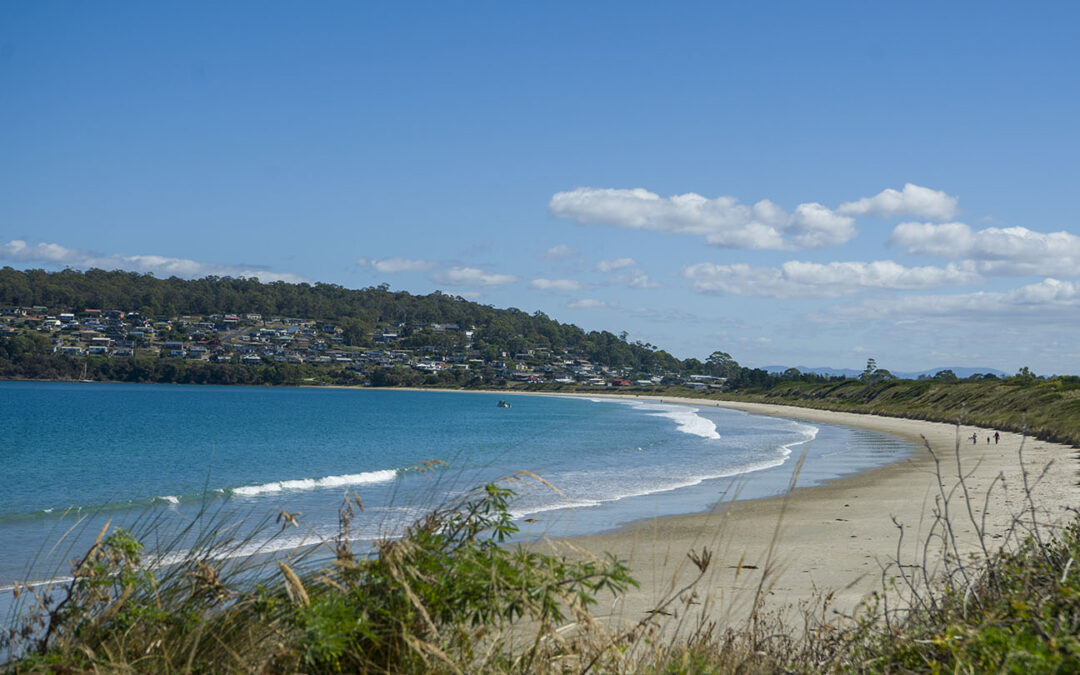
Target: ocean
[(78, 455)]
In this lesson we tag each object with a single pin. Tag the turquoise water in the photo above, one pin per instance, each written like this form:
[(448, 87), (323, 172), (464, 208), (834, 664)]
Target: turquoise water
[(76, 454)]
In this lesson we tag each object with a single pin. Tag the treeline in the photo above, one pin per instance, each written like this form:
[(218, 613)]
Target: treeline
[(24, 358)]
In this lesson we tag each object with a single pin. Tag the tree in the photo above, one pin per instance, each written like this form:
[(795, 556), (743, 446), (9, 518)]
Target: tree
[(871, 368), (1025, 375), (720, 364), (356, 333), (946, 376)]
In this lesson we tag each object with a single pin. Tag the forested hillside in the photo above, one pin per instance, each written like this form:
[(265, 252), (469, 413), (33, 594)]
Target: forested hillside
[(358, 312)]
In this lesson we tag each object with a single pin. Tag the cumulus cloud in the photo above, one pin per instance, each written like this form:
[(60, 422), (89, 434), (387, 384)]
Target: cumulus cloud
[(555, 284), (589, 303), (913, 200), (639, 280), (393, 265), (1004, 251), (1050, 301), (795, 279), (723, 221), (814, 225), (560, 252), (18, 250), (472, 276), (616, 264)]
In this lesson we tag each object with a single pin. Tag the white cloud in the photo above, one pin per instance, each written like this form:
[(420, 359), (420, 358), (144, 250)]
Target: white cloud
[(640, 280), (633, 279), (723, 221), (795, 279), (471, 276), (560, 252), (1004, 251), (162, 266), (947, 240), (589, 303), (1048, 301), (555, 284), (814, 225), (395, 264), (913, 200), (616, 264)]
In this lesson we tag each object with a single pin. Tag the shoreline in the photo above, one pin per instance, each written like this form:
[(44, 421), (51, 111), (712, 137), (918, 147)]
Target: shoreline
[(839, 537)]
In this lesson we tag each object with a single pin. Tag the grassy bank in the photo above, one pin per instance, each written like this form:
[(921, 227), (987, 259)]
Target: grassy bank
[(1048, 409)]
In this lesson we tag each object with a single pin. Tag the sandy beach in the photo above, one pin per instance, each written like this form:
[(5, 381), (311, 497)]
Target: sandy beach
[(839, 537)]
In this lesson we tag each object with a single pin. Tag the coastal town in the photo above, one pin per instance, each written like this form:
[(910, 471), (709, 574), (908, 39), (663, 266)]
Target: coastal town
[(436, 352)]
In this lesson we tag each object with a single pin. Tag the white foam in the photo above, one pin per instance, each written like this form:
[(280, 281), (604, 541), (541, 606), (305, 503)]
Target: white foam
[(371, 531), (808, 431), (686, 418), (248, 549), (689, 422), (169, 499), (521, 513), (785, 453), (366, 478), (36, 584)]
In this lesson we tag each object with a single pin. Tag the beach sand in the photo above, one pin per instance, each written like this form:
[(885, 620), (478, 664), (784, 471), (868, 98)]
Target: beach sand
[(839, 537)]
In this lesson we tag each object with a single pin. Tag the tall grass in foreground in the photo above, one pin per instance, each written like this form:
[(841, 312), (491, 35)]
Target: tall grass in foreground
[(450, 595)]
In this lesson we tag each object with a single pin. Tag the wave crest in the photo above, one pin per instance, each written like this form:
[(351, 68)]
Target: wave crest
[(366, 478)]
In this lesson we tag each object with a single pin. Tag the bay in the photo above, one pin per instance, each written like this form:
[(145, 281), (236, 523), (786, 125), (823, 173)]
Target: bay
[(76, 455)]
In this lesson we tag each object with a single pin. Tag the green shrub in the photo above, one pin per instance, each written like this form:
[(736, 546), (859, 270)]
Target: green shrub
[(448, 595)]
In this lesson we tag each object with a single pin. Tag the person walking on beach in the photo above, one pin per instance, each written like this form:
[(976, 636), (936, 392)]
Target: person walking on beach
[(997, 437), (974, 438)]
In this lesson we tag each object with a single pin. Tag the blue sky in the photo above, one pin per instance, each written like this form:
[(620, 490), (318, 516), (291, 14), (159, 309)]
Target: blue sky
[(793, 183)]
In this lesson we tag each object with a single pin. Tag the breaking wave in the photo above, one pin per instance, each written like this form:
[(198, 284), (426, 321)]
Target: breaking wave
[(345, 480)]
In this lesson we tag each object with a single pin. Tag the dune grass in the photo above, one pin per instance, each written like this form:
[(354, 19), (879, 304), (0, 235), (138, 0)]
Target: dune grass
[(450, 595)]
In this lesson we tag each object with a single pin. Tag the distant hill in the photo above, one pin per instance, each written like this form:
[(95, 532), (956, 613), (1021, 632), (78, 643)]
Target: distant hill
[(960, 371)]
